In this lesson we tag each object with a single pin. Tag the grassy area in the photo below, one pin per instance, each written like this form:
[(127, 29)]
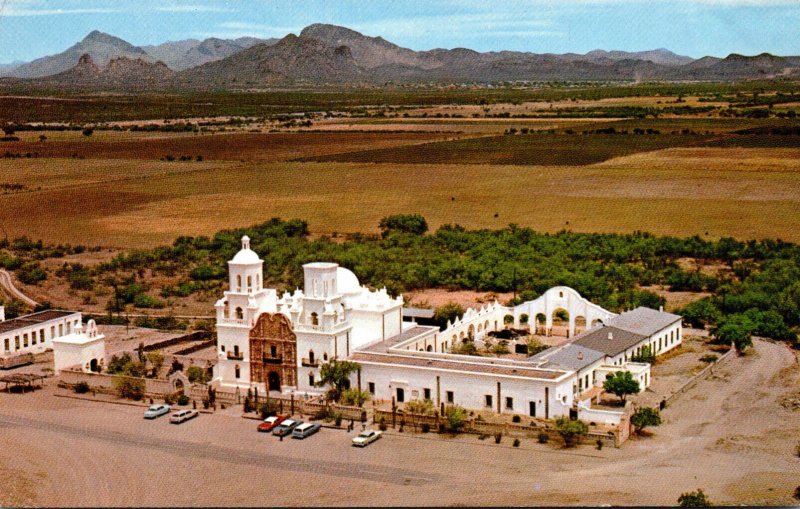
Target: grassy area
[(523, 149), (744, 193)]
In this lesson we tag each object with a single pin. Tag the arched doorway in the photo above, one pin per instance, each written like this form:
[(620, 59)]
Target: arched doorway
[(274, 381), (177, 384), (580, 324), (93, 366), (541, 324), (560, 325)]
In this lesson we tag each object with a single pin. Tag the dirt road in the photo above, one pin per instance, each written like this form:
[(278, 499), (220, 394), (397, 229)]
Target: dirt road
[(728, 436), (7, 284)]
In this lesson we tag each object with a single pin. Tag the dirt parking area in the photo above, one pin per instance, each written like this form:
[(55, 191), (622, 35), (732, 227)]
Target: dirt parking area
[(728, 435)]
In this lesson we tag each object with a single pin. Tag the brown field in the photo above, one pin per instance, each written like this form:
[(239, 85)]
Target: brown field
[(232, 147), (745, 193)]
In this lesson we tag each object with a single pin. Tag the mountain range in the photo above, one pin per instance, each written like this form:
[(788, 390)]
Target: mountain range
[(327, 54)]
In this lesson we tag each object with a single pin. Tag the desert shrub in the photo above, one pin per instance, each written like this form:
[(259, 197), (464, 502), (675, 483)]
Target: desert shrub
[(543, 438), (709, 358), (455, 418), (599, 444), (145, 301), (694, 499), (183, 400), (31, 273), (81, 388), (571, 431), (498, 437), (420, 407), (129, 387), (354, 397), (268, 408), (197, 375), (382, 424)]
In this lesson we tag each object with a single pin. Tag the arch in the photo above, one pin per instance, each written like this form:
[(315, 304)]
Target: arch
[(311, 357), (561, 324), (274, 381), (226, 310), (93, 365), (597, 322), (471, 331), (239, 314), (508, 319), (429, 348), (524, 318), (580, 324), (461, 335), (238, 282), (177, 384), (325, 356), (258, 281), (314, 319), (455, 339), (486, 325), (480, 327)]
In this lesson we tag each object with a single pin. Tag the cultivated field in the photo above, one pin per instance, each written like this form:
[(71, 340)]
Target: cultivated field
[(744, 193)]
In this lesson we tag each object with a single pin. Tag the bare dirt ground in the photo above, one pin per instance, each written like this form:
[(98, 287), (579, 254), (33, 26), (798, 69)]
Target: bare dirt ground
[(435, 297), (728, 436)]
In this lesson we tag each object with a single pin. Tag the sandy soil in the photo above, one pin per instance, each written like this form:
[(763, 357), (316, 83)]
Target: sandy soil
[(728, 436), (435, 297)]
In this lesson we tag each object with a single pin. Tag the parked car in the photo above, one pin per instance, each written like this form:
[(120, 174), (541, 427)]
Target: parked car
[(183, 415), (271, 422), (305, 429), (156, 411), (285, 427), (366, 437)]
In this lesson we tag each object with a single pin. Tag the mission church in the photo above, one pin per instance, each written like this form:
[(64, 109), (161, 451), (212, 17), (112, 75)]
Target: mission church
[(278, 343)]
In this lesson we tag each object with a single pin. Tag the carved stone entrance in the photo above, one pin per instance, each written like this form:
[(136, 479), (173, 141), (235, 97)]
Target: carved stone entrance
[(273, 352)]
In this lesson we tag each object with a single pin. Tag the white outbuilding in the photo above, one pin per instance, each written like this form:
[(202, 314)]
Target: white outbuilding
[(83, 348)]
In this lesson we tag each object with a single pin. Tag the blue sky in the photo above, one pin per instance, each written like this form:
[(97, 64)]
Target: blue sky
[(33, 28)]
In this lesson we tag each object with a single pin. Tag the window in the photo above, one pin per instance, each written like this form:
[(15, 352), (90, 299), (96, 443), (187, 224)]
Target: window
[(450, 397), (509, 403), (60, 329), (371, 388), (487, 400), (52, 332), (16, 342), (324, 356), (314, 319), (426, 393), (273, 351), (311, 379), (223, 348), (25, 340), (532, 408), (239, 314), (238, 283), (8, 345), (311, 356), (401, 395), (41, 336), (238, 371), (249, 283)]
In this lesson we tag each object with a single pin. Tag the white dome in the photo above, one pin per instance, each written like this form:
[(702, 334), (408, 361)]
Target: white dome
[(245, 256), (347, 282)]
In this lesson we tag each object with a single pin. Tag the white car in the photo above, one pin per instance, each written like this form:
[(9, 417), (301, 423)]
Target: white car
[(156, 411), (366, 437), (183, 415)]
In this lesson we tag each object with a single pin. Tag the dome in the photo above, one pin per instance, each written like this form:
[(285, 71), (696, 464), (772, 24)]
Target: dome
[(347, 282), (246, 256)]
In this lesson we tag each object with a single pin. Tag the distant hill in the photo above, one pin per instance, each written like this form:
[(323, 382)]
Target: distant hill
[(101, 47), (181, 55), (119, 72), (328, 54)]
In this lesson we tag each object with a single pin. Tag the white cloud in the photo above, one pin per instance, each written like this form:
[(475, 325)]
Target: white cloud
[(193, 8)]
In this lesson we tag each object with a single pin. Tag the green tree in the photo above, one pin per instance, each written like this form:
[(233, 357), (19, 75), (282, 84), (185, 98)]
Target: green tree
[(129, 387), (336, 374), (621, 384), (403, 223), (354, 397), (420, 407), (736, 330), (570, 430), (448, 312), (644, 417), (694, 499), (196, 375), (645, 355), (455, 418), (156, 360)]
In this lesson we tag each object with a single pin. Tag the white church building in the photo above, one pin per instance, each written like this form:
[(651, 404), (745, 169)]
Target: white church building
[(278, 343)]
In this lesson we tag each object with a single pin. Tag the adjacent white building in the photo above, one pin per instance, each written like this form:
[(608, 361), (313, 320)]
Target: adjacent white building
[(84, 348), (34, 333)]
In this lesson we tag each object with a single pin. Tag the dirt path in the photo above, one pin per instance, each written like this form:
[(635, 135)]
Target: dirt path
[(8, 286)]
